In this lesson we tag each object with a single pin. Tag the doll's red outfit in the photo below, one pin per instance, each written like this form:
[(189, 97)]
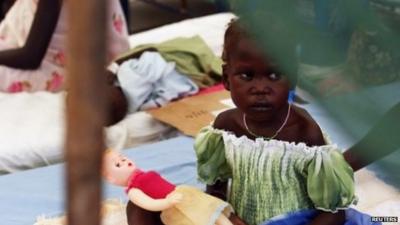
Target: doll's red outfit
[(151, 183), (196, 208)]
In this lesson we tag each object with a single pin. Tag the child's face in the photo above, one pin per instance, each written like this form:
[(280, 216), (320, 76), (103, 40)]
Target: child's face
[(117, 168), (257, 87)]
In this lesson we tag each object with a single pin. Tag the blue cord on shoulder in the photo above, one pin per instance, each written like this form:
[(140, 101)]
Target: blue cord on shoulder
[(291, 96)]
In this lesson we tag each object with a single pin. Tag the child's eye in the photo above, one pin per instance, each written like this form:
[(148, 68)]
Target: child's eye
[(274, 76), (245, 76), (118, 165)]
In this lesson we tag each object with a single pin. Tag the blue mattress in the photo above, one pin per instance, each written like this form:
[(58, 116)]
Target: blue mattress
[(28, 194)]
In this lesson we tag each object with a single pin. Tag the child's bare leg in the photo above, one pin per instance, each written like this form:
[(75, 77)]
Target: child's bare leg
[(223, 220), (139, 216)]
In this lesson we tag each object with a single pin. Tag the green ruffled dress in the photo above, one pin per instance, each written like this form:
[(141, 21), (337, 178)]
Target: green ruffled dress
[(270, 178)]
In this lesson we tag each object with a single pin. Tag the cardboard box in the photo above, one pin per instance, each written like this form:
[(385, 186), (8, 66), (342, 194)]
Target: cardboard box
[(190, 114)]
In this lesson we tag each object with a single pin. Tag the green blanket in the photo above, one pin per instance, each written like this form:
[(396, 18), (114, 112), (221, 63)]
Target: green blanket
[(192, 56)]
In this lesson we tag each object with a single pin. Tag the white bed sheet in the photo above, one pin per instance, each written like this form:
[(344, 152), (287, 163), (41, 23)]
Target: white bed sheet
[(210, 28), (32, 125)]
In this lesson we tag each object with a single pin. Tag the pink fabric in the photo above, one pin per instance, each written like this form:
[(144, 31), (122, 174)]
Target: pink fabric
[(215, 88), (151, 183), (50, 76)]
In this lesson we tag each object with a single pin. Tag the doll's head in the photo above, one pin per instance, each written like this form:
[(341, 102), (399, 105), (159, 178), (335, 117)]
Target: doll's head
[(258, 84), (117, 169)]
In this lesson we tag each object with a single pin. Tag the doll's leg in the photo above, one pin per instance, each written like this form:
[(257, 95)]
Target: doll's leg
[(139, 216), (223, 220)]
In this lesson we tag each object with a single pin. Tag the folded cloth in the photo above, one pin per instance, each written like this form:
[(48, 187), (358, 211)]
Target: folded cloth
[(303, 217), (150, 82), (192, 56)]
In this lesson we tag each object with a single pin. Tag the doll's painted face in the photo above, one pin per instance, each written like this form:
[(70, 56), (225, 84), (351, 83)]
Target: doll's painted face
[(117, 168)]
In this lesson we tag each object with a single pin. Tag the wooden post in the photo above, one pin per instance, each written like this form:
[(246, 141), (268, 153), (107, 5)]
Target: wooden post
[(86, 109)]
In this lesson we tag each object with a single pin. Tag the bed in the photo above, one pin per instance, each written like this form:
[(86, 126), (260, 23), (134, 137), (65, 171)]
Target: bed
[(32, 125)]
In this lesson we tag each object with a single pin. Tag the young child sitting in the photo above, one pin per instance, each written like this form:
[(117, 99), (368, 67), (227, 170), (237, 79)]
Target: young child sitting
[(148, 190), (273, 152)]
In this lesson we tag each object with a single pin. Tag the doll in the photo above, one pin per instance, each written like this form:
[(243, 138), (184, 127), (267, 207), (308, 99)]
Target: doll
[(148, 190)]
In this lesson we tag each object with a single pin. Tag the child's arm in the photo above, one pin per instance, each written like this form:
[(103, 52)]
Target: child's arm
[(30, 56), (235, 220), (315, 138), (380, 141), (146, 202), (327, 218)]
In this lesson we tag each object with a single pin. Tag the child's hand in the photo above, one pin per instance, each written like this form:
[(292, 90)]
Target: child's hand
[(236, 220), (174, 198)]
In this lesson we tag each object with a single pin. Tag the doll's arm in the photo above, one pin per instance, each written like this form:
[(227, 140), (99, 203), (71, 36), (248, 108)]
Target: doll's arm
[(146, 202)]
